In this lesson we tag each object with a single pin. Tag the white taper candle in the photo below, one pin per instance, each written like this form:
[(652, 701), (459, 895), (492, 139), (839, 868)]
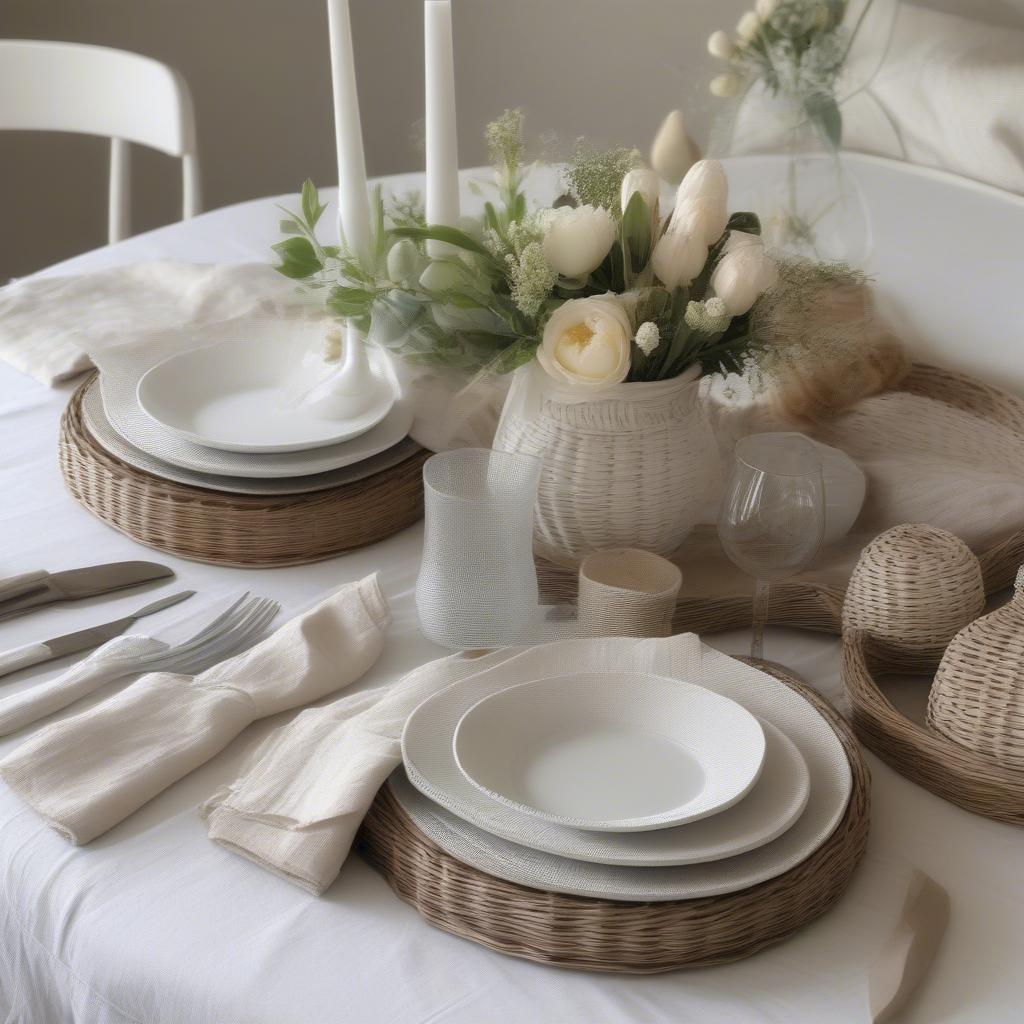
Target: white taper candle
[(442, 200), (353, 203)]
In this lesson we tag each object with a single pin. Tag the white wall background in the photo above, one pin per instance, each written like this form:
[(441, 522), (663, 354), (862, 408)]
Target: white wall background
[(607, 69)]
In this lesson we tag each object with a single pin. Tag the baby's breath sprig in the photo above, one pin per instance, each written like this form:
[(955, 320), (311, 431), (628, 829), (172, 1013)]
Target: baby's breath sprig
[(594, 176)]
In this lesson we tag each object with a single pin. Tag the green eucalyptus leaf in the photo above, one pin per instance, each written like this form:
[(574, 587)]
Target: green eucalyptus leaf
[(749, 222), (311, 208), (298, 258), (442, 233)]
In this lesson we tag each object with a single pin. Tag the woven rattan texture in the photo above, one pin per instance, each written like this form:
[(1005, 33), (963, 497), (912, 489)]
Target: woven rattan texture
[(965, 777), (814, 605), (913, 589), (234, 529), (624, 938), (977, 698)]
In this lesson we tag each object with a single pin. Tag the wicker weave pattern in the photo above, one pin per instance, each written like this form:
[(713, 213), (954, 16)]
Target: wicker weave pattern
[(977, 698), (635, 467), (964, 777), (625, 938), (234, 529), (913, 588)]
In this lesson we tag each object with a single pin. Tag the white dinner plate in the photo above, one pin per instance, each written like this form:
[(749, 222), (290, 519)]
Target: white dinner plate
[(611, 751), (656, 865), (232, 396), (119, 379), (96, 422)]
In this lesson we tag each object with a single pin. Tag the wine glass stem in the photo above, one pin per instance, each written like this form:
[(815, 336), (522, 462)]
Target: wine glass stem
[(760, 618)]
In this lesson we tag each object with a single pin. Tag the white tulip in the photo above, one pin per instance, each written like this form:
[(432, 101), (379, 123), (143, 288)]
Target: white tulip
[(644, 181), (743, 273), (404, 260), (748, 26), (673, 152), (725, 85), (586, 343), (440, 276), (702, 201), (766, 8), (679, 256), (577, 239), (720, 45)]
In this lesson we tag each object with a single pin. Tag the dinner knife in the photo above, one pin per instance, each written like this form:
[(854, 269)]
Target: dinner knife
[(70, 643), (34, 589), (908, 954)]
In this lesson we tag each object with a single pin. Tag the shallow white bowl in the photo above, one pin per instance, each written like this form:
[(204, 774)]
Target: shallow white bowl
[(230, 396), (612, 752)]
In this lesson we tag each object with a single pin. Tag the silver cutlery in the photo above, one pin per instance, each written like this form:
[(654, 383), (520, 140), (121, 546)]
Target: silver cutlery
[(234, 630), (80, 640), (909, 951), (34, 589)]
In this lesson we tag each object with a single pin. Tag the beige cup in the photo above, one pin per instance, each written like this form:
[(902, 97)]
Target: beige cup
[(627, 592)]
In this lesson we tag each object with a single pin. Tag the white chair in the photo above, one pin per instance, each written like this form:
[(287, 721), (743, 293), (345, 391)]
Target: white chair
[(95, 90)]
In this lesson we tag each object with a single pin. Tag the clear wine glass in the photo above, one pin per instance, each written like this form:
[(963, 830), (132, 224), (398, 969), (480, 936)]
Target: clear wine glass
[(773, 514)]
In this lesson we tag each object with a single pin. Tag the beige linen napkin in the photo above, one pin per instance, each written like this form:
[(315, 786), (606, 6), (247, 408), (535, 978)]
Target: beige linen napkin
[(50, 324), (299, 802), (85, 774)]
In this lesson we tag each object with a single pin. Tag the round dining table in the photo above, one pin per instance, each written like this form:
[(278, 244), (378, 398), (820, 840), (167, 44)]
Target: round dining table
[(154, 923)]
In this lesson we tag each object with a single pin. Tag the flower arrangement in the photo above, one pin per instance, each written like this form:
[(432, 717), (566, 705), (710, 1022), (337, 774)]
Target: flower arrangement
[(599, 288), (795, 49)]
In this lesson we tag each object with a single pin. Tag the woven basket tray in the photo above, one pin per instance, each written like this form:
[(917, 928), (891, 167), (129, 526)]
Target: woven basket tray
[(618, 937), (235, 529), (964, 777), (816, 606)]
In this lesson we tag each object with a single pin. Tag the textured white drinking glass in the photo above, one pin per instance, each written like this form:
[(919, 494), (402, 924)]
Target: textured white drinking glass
[(477, 585)]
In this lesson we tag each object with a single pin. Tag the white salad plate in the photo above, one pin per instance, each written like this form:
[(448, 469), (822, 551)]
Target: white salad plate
[(659, 865), (231, 396), (119, 379), (611, 752), (111, 441)]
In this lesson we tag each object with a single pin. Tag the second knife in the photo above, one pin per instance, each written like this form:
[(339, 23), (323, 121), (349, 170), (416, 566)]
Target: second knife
[(82, 639)]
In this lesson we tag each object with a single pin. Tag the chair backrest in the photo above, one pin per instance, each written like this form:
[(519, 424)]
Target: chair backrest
[(95, 90)]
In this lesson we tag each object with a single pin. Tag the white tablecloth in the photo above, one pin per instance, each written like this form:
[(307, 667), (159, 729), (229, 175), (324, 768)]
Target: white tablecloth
[(153, 923)]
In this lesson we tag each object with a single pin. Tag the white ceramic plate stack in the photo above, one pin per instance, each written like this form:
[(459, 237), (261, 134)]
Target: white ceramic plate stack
[(211, 411), (625, 785)]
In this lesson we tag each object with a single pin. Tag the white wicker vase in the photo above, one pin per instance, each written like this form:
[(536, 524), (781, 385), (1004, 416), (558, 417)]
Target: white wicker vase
[(635, 466)]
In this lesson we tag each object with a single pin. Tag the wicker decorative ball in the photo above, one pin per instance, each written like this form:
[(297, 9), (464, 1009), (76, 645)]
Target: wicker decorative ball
[(977, 698), (913, 589)]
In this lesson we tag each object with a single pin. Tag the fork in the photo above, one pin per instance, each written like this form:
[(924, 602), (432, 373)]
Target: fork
[(232, 631)]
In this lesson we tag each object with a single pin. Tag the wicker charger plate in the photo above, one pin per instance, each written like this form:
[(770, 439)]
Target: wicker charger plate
[(962, 776), (235, 529), (811, 605), (617, 937)]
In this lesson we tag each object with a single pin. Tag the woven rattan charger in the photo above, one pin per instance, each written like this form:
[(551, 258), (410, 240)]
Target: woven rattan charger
[(235, 529), (605, 935)]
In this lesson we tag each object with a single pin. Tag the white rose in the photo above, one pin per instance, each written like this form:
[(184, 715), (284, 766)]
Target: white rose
[(744, 271), (586, 343), (706, 188), (720, 45), (577, 239), (644, 181), (679, 256)]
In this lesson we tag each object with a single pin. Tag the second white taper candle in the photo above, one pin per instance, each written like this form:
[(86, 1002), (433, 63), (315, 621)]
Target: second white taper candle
[(442, 193)]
